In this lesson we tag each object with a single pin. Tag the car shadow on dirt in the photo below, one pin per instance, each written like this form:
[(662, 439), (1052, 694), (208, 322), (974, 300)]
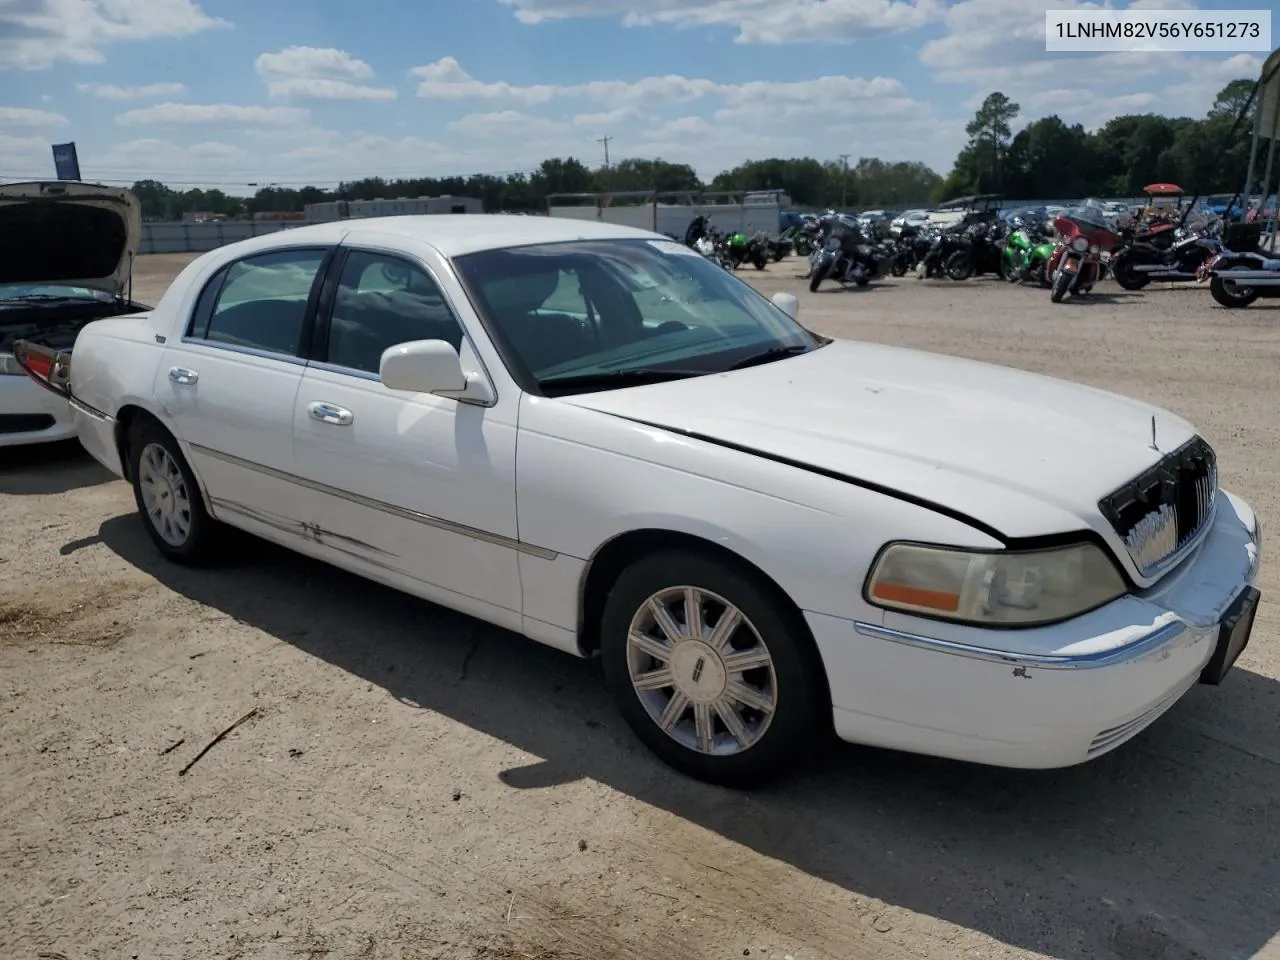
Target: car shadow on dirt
[(1165, 849), (49, 468)]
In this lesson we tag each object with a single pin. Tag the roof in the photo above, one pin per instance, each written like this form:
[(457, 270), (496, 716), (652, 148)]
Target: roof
[(457, 234)]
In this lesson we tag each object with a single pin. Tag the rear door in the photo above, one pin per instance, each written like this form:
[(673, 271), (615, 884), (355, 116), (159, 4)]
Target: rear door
[(229, 385)]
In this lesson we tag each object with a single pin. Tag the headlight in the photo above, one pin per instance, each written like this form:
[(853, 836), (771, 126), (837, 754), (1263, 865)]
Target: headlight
[(994, 588), (1095, 249), (1080, 244)]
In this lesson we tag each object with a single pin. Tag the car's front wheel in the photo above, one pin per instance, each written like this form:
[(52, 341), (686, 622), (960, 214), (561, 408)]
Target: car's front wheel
[(168, 496), (710, 670)]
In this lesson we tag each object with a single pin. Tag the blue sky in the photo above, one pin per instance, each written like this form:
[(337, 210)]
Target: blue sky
[(233, 92)]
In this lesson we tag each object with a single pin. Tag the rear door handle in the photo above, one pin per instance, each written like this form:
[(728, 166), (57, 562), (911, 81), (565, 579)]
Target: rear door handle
[(330, 413), (183, 375)]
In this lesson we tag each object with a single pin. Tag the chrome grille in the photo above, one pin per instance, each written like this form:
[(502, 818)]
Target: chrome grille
[(1165, 508)]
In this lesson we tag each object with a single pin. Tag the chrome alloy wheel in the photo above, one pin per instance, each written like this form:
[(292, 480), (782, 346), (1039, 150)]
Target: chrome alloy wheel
[(164, 494), (701, 671)]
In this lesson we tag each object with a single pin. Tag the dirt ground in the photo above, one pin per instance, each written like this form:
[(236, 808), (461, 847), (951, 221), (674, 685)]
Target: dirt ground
[(415, 784)]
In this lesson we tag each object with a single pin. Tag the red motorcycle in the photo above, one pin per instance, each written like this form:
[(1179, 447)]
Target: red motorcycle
[(1076, 262)]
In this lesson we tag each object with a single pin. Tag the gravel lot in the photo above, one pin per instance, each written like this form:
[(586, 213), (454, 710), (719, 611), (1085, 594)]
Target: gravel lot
[(415, 784)]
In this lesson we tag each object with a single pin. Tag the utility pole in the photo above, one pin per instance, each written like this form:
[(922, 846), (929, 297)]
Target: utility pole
[(844, 180), (605, 141)]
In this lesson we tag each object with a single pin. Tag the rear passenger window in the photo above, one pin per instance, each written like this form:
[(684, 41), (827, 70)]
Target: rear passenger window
[(263, 301), (381, 301)]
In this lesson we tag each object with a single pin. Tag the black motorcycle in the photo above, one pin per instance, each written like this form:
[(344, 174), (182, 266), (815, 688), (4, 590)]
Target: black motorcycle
[(979, 251), (942, 246), (1170, 253), (846, 256)]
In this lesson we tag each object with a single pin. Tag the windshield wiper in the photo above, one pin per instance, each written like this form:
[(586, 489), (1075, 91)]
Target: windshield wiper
[(618, 378), (767, 356)]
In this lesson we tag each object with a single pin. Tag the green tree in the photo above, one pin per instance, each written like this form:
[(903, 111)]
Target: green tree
[(989, 132)]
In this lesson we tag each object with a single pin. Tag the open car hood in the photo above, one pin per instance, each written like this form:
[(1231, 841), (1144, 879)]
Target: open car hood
[(68, 232)]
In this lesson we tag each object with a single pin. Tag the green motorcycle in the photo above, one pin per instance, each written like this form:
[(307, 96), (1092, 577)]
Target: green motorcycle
[(1024, 257), (744, 249)]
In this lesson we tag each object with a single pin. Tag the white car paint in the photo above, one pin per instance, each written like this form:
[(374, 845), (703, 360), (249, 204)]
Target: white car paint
[(20, 398), (805, 468)]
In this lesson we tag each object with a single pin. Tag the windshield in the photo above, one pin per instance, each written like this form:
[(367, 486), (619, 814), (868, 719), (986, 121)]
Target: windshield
[(44, 291), (620, 311)]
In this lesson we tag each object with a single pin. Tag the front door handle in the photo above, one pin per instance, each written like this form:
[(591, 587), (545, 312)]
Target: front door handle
[(330, 413), (183, 375)]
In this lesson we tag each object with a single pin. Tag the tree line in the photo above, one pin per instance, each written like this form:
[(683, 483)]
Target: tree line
[(1046, 159)]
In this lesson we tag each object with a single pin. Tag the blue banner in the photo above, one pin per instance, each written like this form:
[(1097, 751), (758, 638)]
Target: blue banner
[(65, 161)]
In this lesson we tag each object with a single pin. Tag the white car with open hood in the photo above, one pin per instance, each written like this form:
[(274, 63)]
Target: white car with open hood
[(66, 257), (594, 436)]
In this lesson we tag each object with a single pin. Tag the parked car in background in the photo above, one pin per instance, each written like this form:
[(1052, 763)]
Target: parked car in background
[(66, 258), (594, 436), (908, 222)]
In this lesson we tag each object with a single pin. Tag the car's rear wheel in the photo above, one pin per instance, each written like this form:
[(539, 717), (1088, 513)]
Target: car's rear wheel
[(709, 670), (168, 496)]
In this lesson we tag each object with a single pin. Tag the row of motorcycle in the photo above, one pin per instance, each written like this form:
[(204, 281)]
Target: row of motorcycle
[(1068, 254), (733, 250)]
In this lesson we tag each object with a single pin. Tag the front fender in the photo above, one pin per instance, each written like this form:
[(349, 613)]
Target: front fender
[(586, 477)]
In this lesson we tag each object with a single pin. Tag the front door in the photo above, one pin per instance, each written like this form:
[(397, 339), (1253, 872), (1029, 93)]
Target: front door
[(229, 386), (414, 485)]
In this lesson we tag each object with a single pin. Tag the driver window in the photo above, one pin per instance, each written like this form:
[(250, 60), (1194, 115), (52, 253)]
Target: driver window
[(383, 300)]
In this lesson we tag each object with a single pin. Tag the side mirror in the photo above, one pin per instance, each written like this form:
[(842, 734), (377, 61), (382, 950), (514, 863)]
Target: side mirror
[(787, 303), (422, 366)]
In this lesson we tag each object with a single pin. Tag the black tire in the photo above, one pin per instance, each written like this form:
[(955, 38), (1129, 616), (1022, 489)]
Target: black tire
[(819, 273), (1219, 291), (797, 682), (959, 266), (1124, 274), (899, 267), (199, 546), (1060, 284), (862, 281), (759, 261)]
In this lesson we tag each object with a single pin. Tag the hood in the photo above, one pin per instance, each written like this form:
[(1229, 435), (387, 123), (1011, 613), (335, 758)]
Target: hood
[(1025, 454), (80, 234)]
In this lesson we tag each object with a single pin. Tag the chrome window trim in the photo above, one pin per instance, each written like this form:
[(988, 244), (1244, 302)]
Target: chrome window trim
[(245, 351), (1133, 650), (405, 513)]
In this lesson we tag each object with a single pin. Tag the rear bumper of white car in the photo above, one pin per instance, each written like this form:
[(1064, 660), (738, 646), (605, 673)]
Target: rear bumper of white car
[(30, 414), (1093, 683)]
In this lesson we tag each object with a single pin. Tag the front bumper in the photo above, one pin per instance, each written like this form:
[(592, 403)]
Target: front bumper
[(30, 414), (1043, 697)]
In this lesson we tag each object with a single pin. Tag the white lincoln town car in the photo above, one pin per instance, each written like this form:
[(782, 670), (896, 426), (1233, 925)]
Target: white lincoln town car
[(596, 437)]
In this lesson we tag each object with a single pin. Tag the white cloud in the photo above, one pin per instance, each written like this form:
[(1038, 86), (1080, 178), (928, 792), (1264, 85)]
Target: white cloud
[(179, 113), (757, 21), (110, 91), (507, 125), (35, 34), (26, 117), (318, 73), (25, 157), (447, 80), (1090, 89)]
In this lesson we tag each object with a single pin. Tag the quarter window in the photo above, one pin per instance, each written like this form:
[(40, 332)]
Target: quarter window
[(263, 301), (381, 301)]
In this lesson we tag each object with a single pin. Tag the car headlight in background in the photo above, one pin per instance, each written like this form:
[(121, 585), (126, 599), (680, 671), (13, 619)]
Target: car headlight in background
[(1010, 588)]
